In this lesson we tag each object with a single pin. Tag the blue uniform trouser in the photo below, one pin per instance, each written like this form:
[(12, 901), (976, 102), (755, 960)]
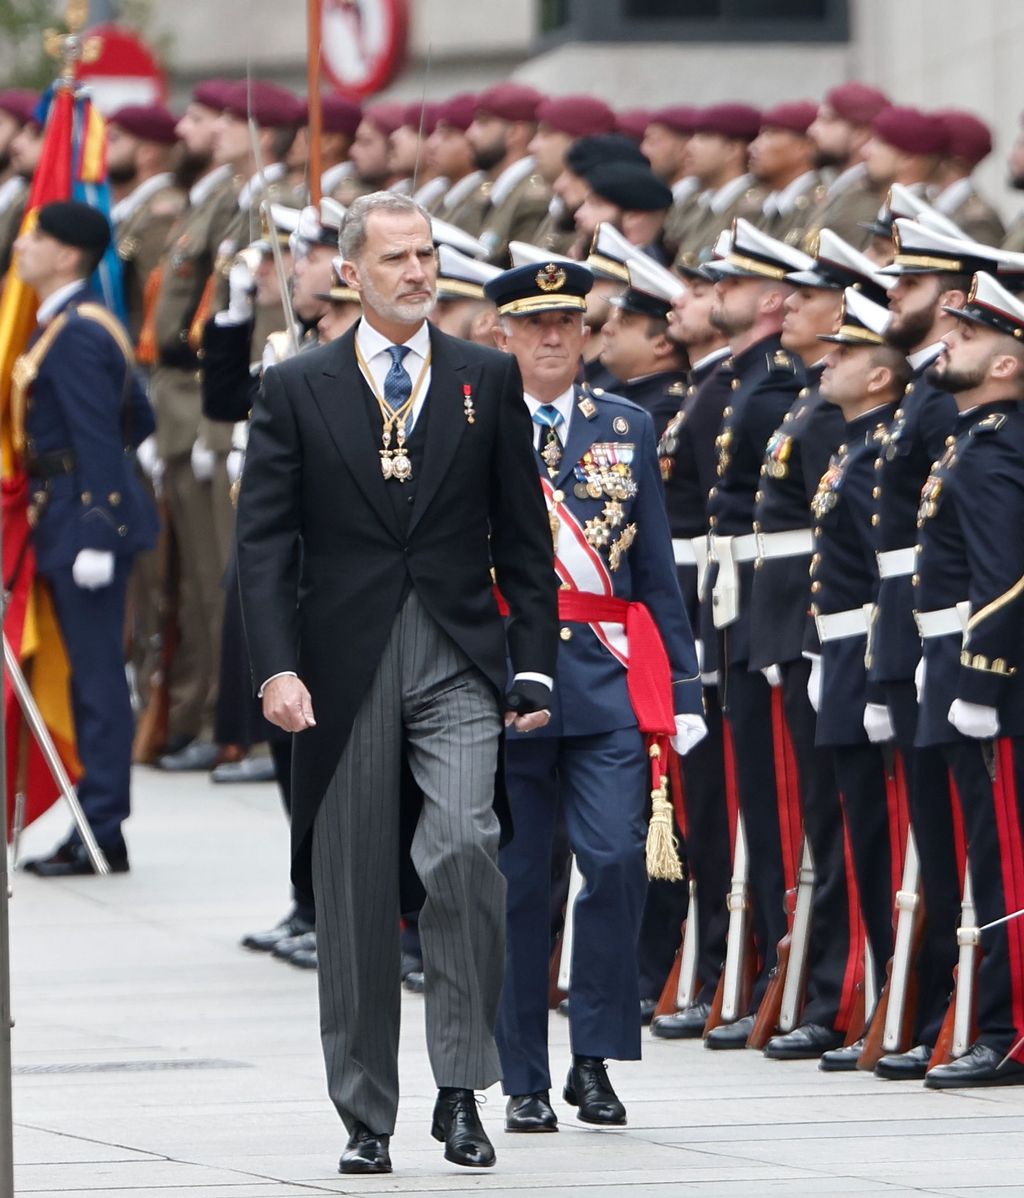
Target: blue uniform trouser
[(92, 625), (603, 782)]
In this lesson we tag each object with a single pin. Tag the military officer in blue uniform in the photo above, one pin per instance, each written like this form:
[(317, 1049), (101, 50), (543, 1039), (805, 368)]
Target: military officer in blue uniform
[(764, 380), (969, 562), (79, 411), (598, 465), (795, 459)]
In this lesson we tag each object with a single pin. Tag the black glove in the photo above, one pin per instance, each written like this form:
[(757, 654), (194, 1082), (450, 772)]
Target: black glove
[(527, 695)]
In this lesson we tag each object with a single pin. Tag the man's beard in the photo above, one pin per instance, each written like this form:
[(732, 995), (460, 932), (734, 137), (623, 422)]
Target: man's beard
[(907, 332), (1017, 182), (190, 167), (5, 160), (410, 312), (729, 325), (125, 172), (954, 381), (826, 159), (488, 157)]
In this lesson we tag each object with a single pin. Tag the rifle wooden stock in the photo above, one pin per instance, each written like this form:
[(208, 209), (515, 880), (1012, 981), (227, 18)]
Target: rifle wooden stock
[(766, 1022), (875, 1046), (151, 730), (959, 1026), (667, 1004)]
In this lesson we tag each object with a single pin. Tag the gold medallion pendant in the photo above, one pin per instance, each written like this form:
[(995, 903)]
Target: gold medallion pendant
[(394, 463)]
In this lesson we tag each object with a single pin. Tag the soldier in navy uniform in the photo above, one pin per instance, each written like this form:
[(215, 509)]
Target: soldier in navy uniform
[(969, 563), (687, 454), (865, 378), (932, 271), (599, 469), (79, 410), (764, 381), (796, 457)]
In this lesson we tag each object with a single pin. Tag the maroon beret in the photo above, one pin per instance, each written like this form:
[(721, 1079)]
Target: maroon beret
[(968, 136), (738, 121), (425, 110), (271, 106), (910, 130), (150, 122), (20, 103), (457, 111), (578, 116), (387, 115), (856, 102), (795, 115), (340, 114), (679, 118), (633, 122), (213, 93), (510, 102)]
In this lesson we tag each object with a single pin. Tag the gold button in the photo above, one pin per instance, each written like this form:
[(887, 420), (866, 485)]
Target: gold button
[(759, 497), (558, 497), (736, 384), (756, 526), (843, 448), (815, 588), (719, 471), (565, 587), (876, 492), (764, 469), (907, 390), (726, 412), (950, 440), (114, 498), (199, 376), (876, 519), (814, 609), (915, 579), (87, 497), (817, 530), (566, 634), (802, 394), (879, 464), (200, 354)]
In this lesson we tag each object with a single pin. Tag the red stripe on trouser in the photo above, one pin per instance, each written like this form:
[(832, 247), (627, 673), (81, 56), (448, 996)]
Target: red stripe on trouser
[(959, 831), (854, 973), (899, 818), (732, 791), (1011, 852), (787, 789)]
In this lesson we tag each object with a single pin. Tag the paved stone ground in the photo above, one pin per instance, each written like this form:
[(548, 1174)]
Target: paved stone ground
[(154, 1057)]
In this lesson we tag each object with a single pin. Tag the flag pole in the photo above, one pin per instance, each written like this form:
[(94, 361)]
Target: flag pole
[(316, 111)]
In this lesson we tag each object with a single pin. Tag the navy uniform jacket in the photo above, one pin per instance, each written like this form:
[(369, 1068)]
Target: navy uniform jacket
[(590, 693), (916, 438), (764, 382), (658, 394), (87, 405), (796, 457), (844, 572), (971, 548), (687, 455)]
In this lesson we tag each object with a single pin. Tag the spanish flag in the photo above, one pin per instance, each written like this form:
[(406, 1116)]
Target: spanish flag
[(72, 164)]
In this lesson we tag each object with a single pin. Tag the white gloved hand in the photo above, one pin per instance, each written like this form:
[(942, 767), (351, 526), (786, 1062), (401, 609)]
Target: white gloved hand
[(148, 457), (234, 465), (773, 676), (814, 680), (690, 731), (203, 461), (878, 723), (93, 568), (241, 289), (974, 720), (919, 673)]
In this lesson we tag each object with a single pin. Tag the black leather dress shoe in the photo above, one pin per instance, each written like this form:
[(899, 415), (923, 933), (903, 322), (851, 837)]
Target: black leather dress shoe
[(530, 1112), (284, 950), (305, 958), (196, 755), (980, 1066), (249, 769), (904, 1066), (841, 1060), (647, 1008), (265, 942), (72, 861), (588, 1088), (414, 982), (804, 1043), (687, 1024), (457, 1125), (365, 1152), (730, 1035)]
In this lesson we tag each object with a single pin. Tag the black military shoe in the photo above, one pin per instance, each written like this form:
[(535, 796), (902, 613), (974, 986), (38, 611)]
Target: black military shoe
[(979, 1066), (804, 1043), (588, 1088), (687, 1024), (285, 950), (365, 1152), (72, 861), (414, 981), (647, 1008), (904, 1066), (457, 1125), (197, 755), (265, 942), (841, 1060), (730, 1035), (530, 1112)]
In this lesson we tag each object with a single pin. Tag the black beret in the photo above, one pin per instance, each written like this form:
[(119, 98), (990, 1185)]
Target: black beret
[(587, 152), (630, 185), (73, 223)]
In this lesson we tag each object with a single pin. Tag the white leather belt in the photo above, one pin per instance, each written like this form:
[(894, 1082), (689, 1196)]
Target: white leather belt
[(795, 542), (894, 563), (684, 552), (841, 624), (744, 549), (729, 552), (944, 622)]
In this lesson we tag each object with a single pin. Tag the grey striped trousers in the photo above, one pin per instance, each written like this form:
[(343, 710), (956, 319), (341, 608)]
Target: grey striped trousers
[(429, 701)]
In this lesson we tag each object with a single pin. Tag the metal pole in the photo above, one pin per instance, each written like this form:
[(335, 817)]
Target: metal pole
[(6, 1020)]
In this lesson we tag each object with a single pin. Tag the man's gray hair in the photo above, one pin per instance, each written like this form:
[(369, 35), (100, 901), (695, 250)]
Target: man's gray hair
[(352, 235)]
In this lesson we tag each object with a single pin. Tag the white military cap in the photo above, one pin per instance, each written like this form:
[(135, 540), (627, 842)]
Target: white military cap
[(652, 288), (921, 250), (862, 322), (838, 265), (525, 254), (461, 277), (609, 253), (990, 304), (444, 233), (754, 255)]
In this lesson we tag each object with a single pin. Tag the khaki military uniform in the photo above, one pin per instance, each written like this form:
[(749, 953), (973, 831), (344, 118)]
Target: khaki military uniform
[(850, 203), (10, 219), (141, 238), (553, 236), (708, 220), (1014, 239), (787, 217), (516, 215), (466, 204), (679, 215), (976, 216)]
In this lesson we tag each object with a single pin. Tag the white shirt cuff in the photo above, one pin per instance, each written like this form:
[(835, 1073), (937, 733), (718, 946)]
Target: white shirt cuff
[(280, 674), (548, 682)]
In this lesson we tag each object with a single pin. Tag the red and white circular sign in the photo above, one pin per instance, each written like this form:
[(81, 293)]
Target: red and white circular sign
[(363, 43), (125, 72)]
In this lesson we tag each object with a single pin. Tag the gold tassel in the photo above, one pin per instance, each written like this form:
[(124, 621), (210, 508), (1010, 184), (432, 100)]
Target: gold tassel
[(662, 845)]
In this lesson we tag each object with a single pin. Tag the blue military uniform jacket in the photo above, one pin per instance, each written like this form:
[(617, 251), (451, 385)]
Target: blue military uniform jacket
[(658, 394), (971, 551), (86, 412), (844, 573), (609, 487)]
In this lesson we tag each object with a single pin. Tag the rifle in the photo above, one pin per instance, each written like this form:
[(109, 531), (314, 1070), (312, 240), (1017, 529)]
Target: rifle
[(734, 986), (680, 989), (957, 1033), (151, 730)]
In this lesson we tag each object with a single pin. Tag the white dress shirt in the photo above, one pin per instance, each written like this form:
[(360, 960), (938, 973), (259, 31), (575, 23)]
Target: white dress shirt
[(137, 197), (201, 189), (564, 404), (50, 306), (374, 346)]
